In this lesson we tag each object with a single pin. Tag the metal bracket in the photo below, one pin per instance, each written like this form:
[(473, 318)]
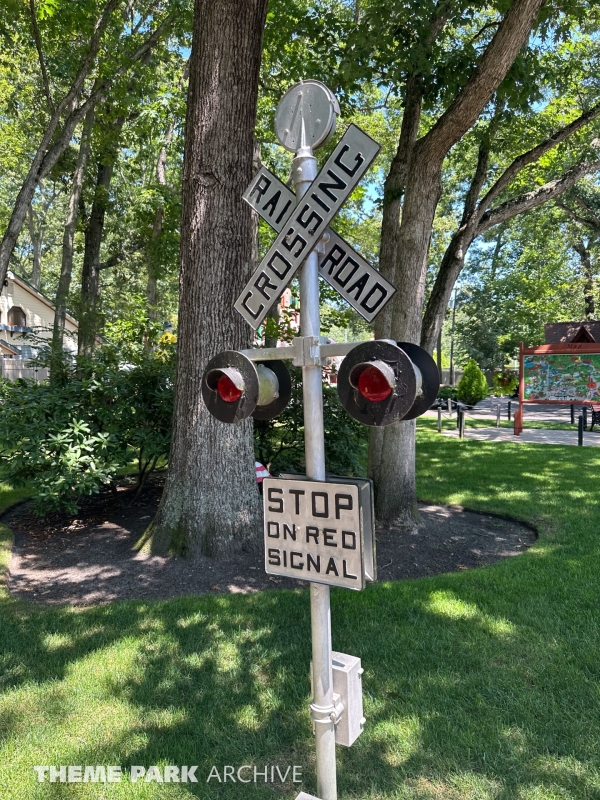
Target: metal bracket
[(307, 351), (304, 351), (327, 714)]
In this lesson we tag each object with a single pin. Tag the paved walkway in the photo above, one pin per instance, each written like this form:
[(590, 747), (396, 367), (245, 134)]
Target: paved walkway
[(487, 410), (532, 436)]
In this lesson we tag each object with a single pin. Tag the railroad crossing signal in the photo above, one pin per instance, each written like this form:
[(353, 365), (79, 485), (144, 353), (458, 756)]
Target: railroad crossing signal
[(382, 382), (329, 540), (234, 388)]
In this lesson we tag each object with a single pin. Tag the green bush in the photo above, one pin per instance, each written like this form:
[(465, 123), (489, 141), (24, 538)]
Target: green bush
[(473, 385), (505, 382), (279, 442), (68, 437), (447, 393)]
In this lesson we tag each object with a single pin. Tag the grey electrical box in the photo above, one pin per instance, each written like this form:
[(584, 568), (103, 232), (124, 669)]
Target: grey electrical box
[(347, 682), (347, 689)]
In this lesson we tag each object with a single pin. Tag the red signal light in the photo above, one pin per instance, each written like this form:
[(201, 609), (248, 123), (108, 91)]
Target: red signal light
[(227, 390), (373, 385)]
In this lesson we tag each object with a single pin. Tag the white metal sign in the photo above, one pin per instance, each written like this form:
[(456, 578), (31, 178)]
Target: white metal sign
[(314, 531), (305, 223), (360, 284)]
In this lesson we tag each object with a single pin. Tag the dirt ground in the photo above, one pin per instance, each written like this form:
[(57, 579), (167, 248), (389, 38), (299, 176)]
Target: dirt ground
[(89, 558)]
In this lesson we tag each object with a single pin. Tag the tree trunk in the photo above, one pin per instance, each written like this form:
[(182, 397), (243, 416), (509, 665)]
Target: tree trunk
[(211, 503), (585, 258), (68, 247), (36, 242), (393, 191), (396, 499), (396, 495), (388, 251), (157, 227), (89, 315)]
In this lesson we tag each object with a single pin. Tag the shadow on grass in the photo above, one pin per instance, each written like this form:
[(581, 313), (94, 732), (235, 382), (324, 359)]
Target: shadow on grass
[(479, 684)]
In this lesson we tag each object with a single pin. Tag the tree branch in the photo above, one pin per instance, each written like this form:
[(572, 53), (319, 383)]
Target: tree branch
[(33, 175), (482, 30), (97, 94), (116, 258), (542, 194), (582, 204), (588, 223), (481, 169), (497, 59), (38, 47), (535, 154)]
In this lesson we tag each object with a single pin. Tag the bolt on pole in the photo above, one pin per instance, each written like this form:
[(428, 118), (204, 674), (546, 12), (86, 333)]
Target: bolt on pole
[(304, 170)]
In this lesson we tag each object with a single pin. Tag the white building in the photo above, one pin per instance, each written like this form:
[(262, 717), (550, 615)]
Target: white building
[(25, 310)]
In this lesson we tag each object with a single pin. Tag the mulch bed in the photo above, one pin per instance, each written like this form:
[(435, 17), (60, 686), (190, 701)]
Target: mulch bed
[(89, 558)]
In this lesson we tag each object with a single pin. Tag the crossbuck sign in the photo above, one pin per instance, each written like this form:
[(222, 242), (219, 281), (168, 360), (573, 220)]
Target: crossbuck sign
[(302, 227)]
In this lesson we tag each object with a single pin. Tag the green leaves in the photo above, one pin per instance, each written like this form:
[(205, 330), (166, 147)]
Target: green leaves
[(279, 443), (472, 387), (68, 438), (47, 8)]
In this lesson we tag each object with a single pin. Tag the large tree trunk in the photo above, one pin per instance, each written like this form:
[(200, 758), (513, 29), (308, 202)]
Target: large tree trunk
[(68, 247), (396, 498), (396, 494), (388, 251), (211, 503)]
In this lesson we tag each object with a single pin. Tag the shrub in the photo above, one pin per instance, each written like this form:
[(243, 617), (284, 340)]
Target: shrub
[(279, 442), (447, 393), (69, 437), (473, 385), (505, 382)]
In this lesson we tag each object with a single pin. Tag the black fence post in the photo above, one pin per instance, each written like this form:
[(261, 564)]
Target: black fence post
[(580, 431), (572, 414), (461, 425), (439, 422), (509, 410)]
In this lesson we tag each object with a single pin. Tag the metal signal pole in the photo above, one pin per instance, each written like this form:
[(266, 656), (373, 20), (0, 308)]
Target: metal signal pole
[(322, 708)]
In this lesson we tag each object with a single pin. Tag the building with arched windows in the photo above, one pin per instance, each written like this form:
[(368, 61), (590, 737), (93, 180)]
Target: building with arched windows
[(25, 313)]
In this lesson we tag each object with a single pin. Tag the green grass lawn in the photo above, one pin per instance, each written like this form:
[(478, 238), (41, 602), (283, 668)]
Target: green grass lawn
[(481, 684)]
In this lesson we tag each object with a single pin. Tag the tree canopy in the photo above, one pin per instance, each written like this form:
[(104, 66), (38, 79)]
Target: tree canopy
[(487, 113)]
